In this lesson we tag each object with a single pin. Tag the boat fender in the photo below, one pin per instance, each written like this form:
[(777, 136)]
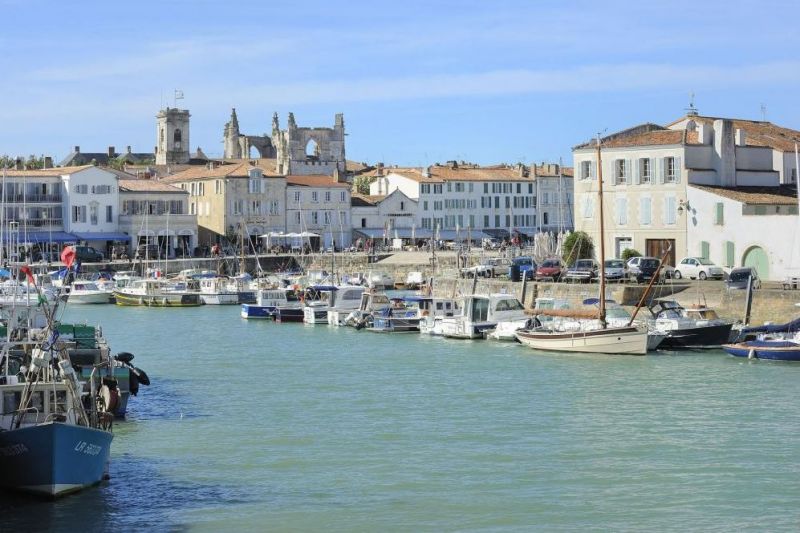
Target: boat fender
[(751, 354), (109, 397), (133, 382), (141, 375)]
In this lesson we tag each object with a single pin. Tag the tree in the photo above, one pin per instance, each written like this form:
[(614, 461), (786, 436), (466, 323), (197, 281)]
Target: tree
[(577, 245), (361, 183), (627, 253)]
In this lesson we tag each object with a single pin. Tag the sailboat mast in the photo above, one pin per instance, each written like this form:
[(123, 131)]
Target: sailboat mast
[(602, 237), (242, 263)]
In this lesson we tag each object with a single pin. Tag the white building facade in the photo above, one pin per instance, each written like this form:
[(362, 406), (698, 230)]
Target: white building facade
[(385, 217), (320, 205)]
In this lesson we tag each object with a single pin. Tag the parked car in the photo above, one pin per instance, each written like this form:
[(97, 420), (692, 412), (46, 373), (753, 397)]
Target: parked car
[(583, 270), (488, 268), (522, 267), (643, 269), (615, 270), (550, 269), (698, 267), (87, 254), (739, 276)]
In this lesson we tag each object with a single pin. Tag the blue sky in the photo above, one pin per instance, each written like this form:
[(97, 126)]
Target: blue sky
[(418, 81)]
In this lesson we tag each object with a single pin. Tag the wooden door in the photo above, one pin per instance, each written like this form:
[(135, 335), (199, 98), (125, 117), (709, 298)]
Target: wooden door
[(657, 247)]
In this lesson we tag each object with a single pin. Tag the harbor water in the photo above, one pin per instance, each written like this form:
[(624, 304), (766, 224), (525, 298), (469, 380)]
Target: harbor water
[(257, 426)]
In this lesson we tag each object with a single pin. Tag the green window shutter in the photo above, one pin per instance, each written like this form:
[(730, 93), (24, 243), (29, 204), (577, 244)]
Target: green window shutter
[(729, 254), (705, 249), (719, 218)]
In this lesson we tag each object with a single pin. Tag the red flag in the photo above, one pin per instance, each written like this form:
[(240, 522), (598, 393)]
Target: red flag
[(27, 271), (68, 256)]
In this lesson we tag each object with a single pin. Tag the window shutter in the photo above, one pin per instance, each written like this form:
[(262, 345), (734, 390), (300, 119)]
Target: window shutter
[(719, 218), (594, 170), (628, 171), (678, 171), (705, 249), (660, 170), (614, 171), (652, 170), (729, 254), (637, 171)]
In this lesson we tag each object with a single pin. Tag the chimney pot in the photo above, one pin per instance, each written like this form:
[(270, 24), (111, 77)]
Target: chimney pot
[(77, 149), (48, 162), (111, 152), (128, 149)]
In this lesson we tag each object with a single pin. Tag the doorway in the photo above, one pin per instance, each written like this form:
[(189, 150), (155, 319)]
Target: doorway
[(657, 247)]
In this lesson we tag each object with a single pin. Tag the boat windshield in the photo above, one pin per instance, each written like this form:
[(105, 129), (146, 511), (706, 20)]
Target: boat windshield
[(508, 304)]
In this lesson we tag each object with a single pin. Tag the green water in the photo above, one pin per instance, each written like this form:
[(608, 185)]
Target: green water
[(255, 426)]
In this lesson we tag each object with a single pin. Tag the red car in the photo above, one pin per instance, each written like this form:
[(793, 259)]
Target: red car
[(550, 269)]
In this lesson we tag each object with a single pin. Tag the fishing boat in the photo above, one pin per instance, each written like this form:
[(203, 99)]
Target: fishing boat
[(347, 299), (482, 313), (55, 430), (610, 339), (87, 292), (217, 291), (400, 317), (694, 327), (155, 293), (433, 311), (279, 304)]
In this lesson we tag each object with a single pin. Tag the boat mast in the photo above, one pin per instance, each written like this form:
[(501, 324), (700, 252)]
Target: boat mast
[(602, 237), (242, 263)]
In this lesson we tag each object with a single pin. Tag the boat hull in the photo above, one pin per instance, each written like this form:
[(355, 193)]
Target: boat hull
[(90, 298), (289, 314), (772, 350), (220, 298), (699, 337), (315, 315), (624, 341), (394, 325), (53, 459), (259, 311), (158, 300)]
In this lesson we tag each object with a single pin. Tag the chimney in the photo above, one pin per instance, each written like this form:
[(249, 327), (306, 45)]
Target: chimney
[(379, 169), (426, 172), (48, 162), (452, 164), (724, 153), (19, 164), (128, 149), (111, 152), (704, 133), (740, 137), (521, 170), (77, 149)]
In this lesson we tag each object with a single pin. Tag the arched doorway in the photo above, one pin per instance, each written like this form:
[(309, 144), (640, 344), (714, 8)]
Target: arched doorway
[(756, 257)]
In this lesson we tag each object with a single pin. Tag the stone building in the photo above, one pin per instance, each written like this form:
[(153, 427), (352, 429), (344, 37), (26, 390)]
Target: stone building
[(299, 151), (172, 131)]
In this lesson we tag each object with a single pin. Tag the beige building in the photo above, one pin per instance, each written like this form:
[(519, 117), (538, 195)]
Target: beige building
[(319, 204), (647, 172), (157, 213), (224, 196)]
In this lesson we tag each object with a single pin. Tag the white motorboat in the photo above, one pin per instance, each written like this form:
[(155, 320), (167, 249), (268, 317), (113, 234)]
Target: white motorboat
[(433, 311), (482, 313), (87, 292), (380, 280), (371, 302)]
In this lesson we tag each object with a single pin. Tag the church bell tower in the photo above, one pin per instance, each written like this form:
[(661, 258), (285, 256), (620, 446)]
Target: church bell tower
[(172, 141)]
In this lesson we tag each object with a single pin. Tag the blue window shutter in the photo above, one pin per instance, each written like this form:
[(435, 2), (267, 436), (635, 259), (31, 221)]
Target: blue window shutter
[(677, 170)]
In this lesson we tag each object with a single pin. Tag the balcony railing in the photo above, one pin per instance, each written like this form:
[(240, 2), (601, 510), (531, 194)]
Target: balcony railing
[(33, 198), (42, 222)]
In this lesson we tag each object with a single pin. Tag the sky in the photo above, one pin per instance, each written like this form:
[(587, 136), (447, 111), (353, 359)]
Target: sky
[(418, 82)]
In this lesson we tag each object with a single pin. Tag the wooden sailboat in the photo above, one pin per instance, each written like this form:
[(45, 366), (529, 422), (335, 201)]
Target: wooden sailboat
[(628, 339)]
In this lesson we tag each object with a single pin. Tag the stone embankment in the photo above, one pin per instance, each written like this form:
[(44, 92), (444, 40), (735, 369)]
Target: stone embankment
[(771, 303)]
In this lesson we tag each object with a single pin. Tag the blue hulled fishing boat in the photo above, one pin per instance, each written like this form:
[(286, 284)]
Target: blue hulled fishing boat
[(777, 342)]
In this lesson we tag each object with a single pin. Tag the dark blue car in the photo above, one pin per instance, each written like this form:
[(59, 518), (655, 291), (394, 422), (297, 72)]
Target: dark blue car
[(522, 267)]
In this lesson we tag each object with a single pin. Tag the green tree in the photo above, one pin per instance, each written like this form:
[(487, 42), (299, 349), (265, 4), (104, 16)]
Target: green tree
[(627, 253), (577, 245), (361, 183)]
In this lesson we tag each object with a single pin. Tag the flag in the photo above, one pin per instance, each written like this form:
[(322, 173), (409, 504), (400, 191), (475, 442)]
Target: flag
[(28, 273), (68, 255)]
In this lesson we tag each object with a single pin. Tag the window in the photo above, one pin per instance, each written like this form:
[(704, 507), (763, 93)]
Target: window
[(274, 207), (297, 197), (364, 222), (238, 207), (437, 188), (101, 189), (471, 187), (449, 187), (343, 196), (485, 221), (217, 186), (297, 217), (545, 218), (587, 170), (79, 213), (109, 213), (644, 212), (327, 197), (254, 185), (508, 202), (314, 196), (93, 213), (760, 210), (670, 170), (645, 174), (81, 189), (192, 208), (255, 207), (327, 217), (620, 172), (402, 206), (425, 205), (719, 214), (485, 188), (497, 221)]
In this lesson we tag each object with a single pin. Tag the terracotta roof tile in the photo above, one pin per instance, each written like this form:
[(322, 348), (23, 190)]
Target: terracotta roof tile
[(202, 172), (781, 195), (758, 133)]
